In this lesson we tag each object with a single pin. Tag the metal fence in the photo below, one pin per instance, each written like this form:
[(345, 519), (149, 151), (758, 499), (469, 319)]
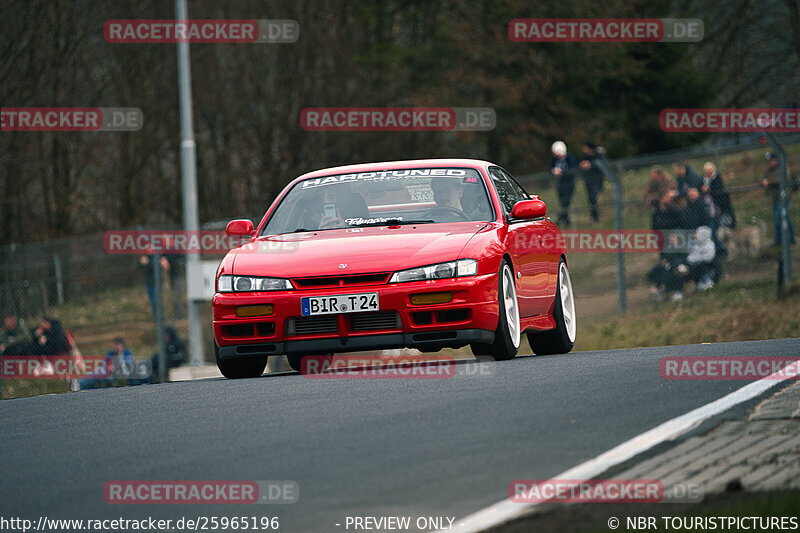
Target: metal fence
[(96, 296), (749, 251)]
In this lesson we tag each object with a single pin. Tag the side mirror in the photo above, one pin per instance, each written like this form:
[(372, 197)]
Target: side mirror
[(239, 227), (529, 209)]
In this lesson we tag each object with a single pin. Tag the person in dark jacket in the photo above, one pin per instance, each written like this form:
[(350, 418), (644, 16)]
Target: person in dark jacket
[(717, 199), (49, 338), (14, 336), (695, 214), (771, 184), (563, 167), (667, 218), (592, 175), (658, 186), (176, 352), (686, 178), (175, 348)]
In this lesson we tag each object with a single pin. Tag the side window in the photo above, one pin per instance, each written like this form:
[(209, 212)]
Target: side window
[(521, 194), (506, 192)]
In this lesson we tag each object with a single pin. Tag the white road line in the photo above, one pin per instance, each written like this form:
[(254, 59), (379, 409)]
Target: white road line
[(506, 510)]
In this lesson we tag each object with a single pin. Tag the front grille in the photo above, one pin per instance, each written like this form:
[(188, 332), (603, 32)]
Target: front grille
[(312, 325), (341, 281), (379, 320)]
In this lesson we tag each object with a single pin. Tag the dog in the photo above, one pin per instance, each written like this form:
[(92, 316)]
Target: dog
[(744, 241)]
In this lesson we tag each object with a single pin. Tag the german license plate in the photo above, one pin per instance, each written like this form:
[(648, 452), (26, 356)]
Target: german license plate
[(340, 303)]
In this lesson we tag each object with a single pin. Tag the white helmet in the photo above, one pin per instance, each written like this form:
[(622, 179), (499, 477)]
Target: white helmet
[(559, 149)]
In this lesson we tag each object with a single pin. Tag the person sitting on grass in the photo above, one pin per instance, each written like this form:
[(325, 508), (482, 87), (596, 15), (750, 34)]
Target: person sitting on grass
[(667, 220), (176, 353), (120, 366), (701, 264), (664, 277), (14, 336)]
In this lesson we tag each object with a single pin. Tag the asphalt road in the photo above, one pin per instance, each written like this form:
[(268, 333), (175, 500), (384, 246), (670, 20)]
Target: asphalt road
[(369, 447)]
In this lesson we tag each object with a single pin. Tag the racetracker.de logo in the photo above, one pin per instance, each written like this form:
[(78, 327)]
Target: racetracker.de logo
[(729, 368), (384, 367), (201, 492), (190, 242), (594, 241), (202, 31), (70, 367), (398, 119), (71, 119), (744, 120), (586, 491), (605, 30)]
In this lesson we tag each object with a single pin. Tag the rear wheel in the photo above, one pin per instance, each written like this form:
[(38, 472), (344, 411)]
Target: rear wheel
[(244, 367), (507, 335), (562, 338)]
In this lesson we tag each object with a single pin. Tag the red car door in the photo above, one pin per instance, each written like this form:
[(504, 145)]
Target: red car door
[(527, 244)]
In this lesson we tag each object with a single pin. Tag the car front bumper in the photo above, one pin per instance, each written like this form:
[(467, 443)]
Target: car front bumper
[(471, 316)]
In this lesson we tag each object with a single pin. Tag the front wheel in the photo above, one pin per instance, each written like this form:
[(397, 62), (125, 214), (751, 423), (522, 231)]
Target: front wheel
[(296, 361), (562, 338), (245, 367), (507, 335)]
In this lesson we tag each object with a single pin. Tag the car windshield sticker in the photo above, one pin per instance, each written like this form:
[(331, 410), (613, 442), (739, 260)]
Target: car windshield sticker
[(376, 220), (384, 175)]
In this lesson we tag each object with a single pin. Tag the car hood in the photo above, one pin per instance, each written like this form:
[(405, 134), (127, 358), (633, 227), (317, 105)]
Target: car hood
[(360, 250)]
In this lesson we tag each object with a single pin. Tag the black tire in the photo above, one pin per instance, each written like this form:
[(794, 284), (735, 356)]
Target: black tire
[(502, 349), (296, 360), (555, 340), (244, 367)]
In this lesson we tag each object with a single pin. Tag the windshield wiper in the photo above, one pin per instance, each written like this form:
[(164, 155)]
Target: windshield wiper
[(393, 222), (298, 230)]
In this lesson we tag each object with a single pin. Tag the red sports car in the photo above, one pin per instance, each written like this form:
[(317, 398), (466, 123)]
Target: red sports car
[(421, 254)]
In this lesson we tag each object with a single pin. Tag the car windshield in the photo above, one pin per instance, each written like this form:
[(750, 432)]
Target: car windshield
[(408, 196)]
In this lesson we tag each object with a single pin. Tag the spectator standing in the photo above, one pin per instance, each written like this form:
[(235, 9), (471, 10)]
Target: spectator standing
[(686, 178), (771, 184), (146, 264), (174, 268), (592, 175), (716, 198), (177, 282), (563, 167)]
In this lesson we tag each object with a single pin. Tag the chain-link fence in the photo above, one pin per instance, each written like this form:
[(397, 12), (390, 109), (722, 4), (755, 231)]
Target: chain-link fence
[(99, 296), (95, 296), (747, 252)]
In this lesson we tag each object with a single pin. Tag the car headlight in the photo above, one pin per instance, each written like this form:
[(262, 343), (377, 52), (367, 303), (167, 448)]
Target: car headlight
[(451, 269), (228, 283)]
